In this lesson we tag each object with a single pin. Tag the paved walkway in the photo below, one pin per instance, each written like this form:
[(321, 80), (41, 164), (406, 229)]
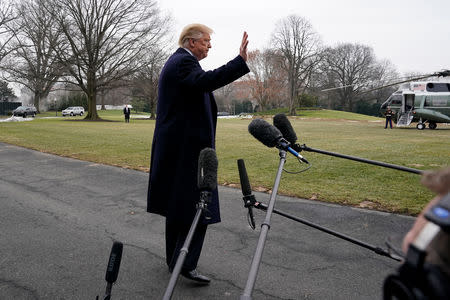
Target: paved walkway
[(60, 216)]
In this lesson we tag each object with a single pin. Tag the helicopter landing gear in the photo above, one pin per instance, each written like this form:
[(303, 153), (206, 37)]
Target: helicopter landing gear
[(432, 125), (420, 126)]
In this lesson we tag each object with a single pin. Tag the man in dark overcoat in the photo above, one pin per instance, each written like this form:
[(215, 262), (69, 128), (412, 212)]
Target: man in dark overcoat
[(127, 112), (186, 120)]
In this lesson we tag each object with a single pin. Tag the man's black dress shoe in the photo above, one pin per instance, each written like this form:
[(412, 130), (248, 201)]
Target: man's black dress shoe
[(195, 276)]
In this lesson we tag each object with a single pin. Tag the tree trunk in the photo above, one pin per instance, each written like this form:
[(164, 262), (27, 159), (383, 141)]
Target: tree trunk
[(152, 109), (329, 102), (102, 100), (36, 100), (292, 111), (92, 100), (92, 108)]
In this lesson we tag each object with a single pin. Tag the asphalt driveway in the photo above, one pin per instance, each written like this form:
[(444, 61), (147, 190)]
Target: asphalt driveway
[(60, 216)]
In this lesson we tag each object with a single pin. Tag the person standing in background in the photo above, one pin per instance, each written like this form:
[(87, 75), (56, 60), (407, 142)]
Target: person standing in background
[(127, 112), (388, 114)]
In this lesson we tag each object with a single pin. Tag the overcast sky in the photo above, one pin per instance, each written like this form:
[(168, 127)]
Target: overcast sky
[(413, 34)]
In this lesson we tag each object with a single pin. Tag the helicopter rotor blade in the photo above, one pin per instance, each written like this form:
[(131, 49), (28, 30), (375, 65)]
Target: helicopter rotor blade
[(443, 73), (396, 83), (336, 88)]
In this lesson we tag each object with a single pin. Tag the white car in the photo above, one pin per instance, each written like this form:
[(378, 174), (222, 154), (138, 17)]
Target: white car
[(73, 111)]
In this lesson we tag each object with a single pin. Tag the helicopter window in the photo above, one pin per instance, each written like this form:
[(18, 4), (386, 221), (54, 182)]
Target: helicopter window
[(396, 99), (438, 87)]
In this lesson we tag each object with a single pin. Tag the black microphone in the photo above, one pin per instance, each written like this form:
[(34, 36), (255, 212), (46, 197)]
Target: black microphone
[(281, 122), (207, 170), (112, 271), (265, 133), (249, 199), (206, 178), (270, 136)]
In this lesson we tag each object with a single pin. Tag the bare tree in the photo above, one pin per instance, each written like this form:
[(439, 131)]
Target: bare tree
[(106, 41), (352, 69), (299, 45), (224, 97), (385, 74), (267, 78), (145, 82), (32, 62), (6, 16)]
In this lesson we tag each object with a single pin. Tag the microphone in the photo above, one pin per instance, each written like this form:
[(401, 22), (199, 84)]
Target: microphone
[(207, 170), (249, 199), (112, 271), (270, 136), (206, 178), (281, 122)]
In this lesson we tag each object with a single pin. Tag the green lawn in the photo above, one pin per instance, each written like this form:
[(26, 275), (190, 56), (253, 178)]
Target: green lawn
[(329, 179)]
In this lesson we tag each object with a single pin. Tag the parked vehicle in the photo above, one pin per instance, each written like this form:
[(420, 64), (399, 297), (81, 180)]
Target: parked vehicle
[(73, 111), (25, 111)]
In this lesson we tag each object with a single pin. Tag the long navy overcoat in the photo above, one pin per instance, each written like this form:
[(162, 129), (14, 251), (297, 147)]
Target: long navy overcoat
[(186, 120)]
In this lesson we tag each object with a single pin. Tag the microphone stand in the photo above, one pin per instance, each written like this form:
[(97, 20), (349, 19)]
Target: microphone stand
[(375, 249), (201, 207), (265, 226), (252, 202), (367, 161)]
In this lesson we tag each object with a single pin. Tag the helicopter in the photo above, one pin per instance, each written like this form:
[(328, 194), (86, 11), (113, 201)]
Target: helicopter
[(425, 102)]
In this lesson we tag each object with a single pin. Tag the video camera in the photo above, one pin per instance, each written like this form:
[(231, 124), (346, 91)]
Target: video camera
[(425, 273)]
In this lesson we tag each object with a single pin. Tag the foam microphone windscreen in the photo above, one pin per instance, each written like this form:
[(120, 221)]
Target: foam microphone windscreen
[(245, 183), (281, 122), (114, 262), (207, 170), (267, 134)]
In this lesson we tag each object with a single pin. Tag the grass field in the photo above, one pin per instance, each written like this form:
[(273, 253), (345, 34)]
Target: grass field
[(329, 179)]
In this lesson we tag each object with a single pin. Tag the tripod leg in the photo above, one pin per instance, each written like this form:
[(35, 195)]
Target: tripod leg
[(253, 273), (181, 257)]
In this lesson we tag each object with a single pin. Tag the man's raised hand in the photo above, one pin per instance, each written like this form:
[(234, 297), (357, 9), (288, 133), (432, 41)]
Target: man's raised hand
[(243, 48)]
